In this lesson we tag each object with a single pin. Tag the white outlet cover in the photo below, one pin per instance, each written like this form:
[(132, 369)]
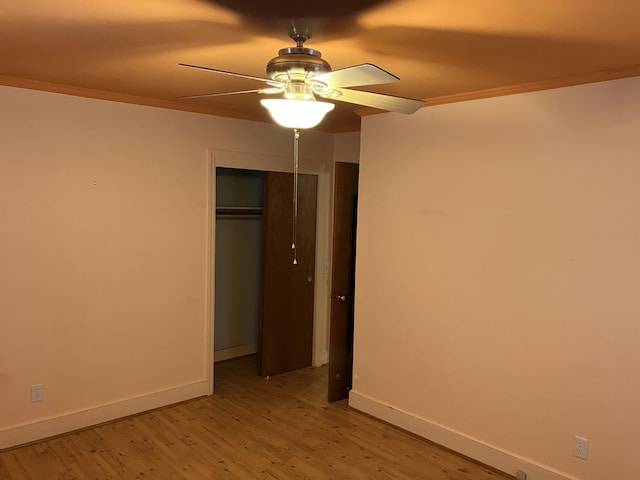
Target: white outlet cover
[(37, 392), (581, 448)]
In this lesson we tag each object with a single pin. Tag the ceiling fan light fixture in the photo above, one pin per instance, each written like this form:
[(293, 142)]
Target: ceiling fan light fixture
[(297, 113), (297, 90)]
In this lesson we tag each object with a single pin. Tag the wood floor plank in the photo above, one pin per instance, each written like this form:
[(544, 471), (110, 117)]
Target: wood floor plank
[(280, 428)]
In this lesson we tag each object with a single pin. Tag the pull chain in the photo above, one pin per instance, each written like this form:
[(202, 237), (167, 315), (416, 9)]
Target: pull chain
[(296, 138)]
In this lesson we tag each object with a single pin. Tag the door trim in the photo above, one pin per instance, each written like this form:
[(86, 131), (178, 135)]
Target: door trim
[(273, 163)]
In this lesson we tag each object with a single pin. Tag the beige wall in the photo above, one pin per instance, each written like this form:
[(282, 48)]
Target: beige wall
[(103, 254), (498, 274), (347, 147)]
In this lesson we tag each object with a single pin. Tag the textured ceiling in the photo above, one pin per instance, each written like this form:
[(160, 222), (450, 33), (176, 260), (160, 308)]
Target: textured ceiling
[(442, 50)]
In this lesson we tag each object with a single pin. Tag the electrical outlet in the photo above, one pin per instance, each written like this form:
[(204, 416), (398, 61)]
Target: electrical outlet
[(520, 475), (581, 448), (37, 393)]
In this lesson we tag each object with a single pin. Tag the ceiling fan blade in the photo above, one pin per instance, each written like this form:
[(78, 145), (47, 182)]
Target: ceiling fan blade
[(379, 100), (295, 9), (224, 72), (365, 74), (265, 91)]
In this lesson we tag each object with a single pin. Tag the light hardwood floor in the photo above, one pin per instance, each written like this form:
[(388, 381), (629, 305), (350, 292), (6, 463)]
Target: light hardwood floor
[(251, 428)]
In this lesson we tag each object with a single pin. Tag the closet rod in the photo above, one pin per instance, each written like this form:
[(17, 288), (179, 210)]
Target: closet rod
[(239, 211)]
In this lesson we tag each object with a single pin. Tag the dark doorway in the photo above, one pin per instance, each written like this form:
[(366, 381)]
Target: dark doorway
[(343, 281)]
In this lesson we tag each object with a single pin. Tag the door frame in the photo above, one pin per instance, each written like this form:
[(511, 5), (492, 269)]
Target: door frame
[(273, 163)]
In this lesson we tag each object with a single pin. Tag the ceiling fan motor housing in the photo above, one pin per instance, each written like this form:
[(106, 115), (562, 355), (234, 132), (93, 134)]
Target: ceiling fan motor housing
[(296, 63)]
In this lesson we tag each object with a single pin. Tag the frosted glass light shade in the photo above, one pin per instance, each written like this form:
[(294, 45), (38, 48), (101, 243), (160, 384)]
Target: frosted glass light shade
[(297, 113)]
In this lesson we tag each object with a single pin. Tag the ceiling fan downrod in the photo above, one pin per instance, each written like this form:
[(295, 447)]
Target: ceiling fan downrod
[(298, 36)]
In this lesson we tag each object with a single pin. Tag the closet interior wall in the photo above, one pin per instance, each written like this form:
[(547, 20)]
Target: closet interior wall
[(239, 202)]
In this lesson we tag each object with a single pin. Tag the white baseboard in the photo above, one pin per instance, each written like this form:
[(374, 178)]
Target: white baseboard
[(456, 441), (235, 352), (49, 427), (321, 358)]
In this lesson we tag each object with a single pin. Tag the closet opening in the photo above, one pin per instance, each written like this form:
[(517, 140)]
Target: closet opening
[(238, 266), (264, 290)]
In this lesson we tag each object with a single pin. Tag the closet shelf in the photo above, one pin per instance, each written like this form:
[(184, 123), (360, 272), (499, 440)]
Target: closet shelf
[(238, 211)]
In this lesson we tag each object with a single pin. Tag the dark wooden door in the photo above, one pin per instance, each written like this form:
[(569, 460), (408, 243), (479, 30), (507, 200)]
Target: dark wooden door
[(343, 281), (286, 329)]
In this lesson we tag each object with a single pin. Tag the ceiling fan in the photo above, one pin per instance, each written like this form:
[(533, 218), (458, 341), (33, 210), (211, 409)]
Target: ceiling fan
[(302, 75)]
